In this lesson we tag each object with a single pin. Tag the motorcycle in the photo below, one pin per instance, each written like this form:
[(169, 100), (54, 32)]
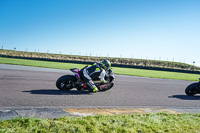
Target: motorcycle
[(193, 89), (68, 82)]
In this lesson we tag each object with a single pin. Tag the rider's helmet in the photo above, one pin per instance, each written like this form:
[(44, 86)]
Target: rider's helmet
[(106, 64)]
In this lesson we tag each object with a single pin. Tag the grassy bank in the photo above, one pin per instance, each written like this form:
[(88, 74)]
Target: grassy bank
[(117, 70), (134, 123), (119, 61)]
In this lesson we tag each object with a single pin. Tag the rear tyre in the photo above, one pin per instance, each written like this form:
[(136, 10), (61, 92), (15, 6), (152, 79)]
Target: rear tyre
[(192, 89), (65, 82)]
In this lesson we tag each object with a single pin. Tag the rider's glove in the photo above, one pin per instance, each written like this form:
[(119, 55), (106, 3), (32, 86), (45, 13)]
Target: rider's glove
[(104, 82)]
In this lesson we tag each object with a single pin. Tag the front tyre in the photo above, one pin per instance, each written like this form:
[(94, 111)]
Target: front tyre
[(192, 89), (65, 82), (107, 87)]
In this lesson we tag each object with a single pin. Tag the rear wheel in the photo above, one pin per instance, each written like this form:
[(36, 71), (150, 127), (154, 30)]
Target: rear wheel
[(192, 89), (65, 82)]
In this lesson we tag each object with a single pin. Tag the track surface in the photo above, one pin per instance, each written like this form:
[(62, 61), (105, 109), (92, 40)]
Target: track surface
[(22, 86)]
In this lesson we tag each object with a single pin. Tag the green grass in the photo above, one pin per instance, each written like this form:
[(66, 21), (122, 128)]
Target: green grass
[(123, 61), (36, 63), (133, 123), (157, 74), (117, 70)]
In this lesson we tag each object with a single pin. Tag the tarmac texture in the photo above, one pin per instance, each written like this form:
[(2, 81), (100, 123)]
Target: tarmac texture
[(31, 92)]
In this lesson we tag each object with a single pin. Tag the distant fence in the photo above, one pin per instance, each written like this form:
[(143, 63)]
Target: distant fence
[(113, 65)]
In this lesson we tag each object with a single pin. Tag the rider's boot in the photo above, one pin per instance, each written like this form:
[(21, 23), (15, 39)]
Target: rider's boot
[(94, 89), (91, 86)]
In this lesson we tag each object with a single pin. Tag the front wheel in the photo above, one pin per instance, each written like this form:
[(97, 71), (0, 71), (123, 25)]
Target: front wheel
[(192, 89), (65, 82), (107, 87)]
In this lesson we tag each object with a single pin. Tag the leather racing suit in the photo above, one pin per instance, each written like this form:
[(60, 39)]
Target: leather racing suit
[(91, 72)]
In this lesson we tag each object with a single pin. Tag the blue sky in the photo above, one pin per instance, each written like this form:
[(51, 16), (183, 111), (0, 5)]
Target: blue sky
[(142, 29)]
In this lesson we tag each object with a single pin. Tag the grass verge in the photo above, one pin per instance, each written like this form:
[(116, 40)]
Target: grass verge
[(124, 61), (117, 70), (134, 123)]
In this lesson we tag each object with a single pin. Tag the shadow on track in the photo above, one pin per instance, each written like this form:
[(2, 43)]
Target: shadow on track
[(185, 97), (58, 92)]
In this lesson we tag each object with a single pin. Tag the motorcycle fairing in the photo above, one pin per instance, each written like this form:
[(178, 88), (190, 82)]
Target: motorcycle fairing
[(75, 71)]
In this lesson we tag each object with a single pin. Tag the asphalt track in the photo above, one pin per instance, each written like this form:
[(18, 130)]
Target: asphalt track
[(29, 87)]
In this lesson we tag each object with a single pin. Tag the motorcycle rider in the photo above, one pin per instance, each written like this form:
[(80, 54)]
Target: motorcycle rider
[(92, 71)]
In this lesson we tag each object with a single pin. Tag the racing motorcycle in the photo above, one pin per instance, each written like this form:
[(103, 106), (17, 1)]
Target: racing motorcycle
[(193, 89), (68, 82)]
